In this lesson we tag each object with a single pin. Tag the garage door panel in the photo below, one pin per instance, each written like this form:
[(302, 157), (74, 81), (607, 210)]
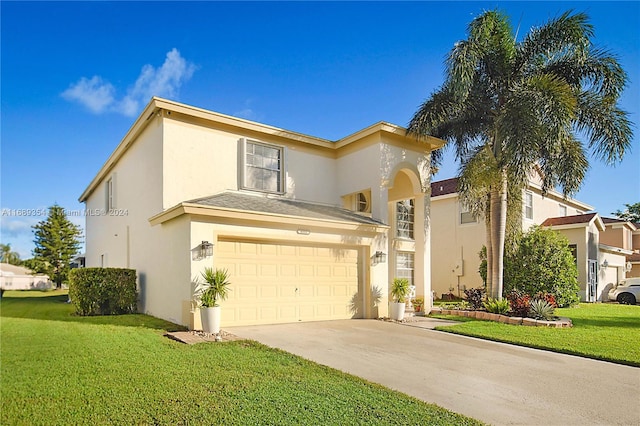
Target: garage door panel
[(268, 291), (272, 283), (287, 314)]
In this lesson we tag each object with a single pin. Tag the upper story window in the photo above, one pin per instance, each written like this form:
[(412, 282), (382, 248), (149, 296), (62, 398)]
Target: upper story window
[(109, 194), (263, 167), (629, 237), (358, 202), (528, 205), (404, 219), (563, 210), (465, 215)]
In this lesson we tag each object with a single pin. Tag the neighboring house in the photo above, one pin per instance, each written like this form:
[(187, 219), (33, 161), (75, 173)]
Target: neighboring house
[(600, 265), (78, 261), (14, 277), (309, 229), (624, 235), (457, 237)]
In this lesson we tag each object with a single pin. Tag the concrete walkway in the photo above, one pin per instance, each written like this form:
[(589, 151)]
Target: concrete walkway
[(497, 383)]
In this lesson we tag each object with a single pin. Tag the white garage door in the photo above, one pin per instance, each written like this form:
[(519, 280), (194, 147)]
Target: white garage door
[(277, 283)]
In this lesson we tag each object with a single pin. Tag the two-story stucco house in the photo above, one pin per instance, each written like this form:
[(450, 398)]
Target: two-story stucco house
[(457, 236), (603, 247), (309, 229)]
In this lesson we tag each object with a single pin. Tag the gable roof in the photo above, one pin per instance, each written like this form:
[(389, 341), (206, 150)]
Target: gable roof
[(9, 269), (158, 107), (575, 221), (611, 220), (444, 187)]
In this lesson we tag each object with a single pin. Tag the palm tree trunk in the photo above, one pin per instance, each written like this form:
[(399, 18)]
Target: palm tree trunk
[(487, 225), (498, 232)]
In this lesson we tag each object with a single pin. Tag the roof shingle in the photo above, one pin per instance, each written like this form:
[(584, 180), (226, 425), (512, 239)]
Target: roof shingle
[(444, 187), (283, 206), (569, 220)]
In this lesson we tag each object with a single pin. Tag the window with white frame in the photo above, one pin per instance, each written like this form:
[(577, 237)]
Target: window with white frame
[(358, 202), (563, 210), (465, 215), (404, 219), (528, 205), (405, 266), (263, 169)]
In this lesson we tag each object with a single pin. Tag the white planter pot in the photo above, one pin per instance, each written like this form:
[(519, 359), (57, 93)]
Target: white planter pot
[(396, 311), (210, 319)]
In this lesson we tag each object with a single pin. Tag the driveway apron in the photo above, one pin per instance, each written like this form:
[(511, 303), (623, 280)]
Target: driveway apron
[(494, 382)]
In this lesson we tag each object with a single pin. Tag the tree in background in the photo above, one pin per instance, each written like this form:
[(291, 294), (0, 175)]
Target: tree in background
[(542, 262), (9, 256), (57, 242), (630, 214), (516, 107), (37, 265)]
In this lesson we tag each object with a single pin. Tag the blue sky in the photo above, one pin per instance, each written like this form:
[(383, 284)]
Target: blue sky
[(76, 74)]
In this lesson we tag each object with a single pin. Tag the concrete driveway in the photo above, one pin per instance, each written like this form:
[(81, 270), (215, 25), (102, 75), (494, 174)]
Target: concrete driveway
[(493, 382)]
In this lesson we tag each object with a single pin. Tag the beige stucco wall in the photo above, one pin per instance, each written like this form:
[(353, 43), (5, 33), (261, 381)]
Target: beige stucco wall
[(547, 207), (138, 195), (159, 254), (617, 235), (579, 237), (393, 173), (454, 248), (200, 161)]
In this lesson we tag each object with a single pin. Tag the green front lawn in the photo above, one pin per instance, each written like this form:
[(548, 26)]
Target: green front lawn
[(61, 369), (609, 332)]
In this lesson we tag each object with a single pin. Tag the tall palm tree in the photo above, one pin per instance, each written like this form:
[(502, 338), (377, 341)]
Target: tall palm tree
[(7, 255), (512, 105)]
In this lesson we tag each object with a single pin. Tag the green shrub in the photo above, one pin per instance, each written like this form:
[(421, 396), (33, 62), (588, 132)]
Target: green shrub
[(541, 309), (542, 262), (103, 291), (496, 306)]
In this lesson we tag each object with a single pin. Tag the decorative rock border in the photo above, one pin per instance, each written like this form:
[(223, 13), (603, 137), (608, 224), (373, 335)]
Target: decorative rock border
[(561, 322), (192, 337)]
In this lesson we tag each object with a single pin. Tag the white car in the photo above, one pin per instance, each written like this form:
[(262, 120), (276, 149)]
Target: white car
[(626, 292)]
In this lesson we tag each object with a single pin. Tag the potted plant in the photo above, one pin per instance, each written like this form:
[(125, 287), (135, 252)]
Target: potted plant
[(399, 293), (208, 293), (417, 303)]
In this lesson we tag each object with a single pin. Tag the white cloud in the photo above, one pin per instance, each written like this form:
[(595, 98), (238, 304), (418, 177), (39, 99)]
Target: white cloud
[(248, 112), (98, 95), (16, 226), (163, 82), (95, 93)]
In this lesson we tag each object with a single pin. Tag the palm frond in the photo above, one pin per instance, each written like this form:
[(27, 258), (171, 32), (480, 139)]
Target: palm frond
[(568, 32), (606, 126)]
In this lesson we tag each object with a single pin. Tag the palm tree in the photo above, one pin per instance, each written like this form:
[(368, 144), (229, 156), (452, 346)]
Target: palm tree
[(513, 106), (7, 255)]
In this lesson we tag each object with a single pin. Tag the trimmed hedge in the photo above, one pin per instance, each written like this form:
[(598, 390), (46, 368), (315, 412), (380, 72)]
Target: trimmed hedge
[(103, 291)]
